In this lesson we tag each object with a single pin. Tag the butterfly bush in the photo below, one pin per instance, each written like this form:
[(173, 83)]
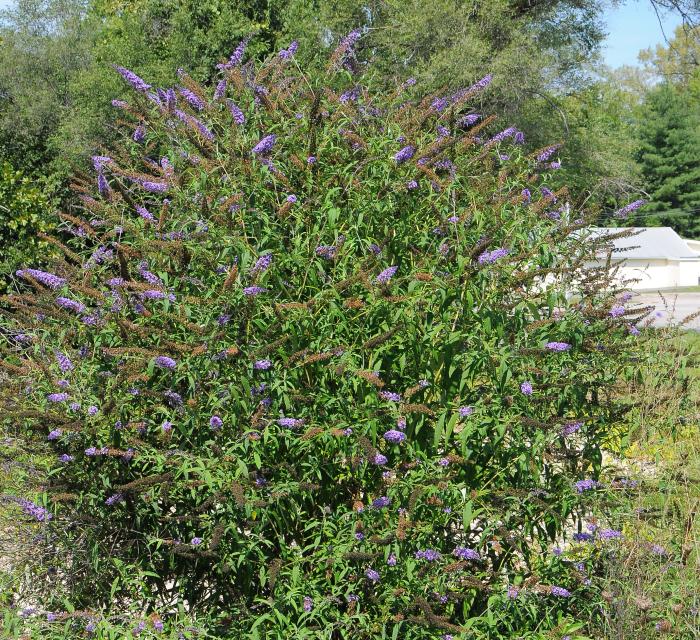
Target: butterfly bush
[(329, 394)]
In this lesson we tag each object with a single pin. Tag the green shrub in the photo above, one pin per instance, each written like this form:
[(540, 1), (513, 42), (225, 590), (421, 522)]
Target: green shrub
[(308, 368), (23, 207)]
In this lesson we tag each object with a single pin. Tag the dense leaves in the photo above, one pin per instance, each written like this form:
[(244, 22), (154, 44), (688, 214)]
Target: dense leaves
[(311, 364)]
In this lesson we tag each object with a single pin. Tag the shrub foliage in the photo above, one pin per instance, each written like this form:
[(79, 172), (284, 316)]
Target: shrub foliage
[(309, 365)]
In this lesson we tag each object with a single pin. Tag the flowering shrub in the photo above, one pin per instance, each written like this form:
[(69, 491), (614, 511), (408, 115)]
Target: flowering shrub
[(308, 367)]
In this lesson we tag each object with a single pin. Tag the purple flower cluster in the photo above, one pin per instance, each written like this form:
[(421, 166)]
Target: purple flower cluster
[(49, 280), (489, 257), (192, 98), (215, 422), (609, 534), (136, 82), (547, 153), (500, 137), (220, 90), (254, 291), (139, 134), (570, 428), (57, 397), (288, 53), (64, 361), (114, 499), (431, 555), (34, 510), (558, 346), (264, 147), (386, 275), (627, 209), (616, 311), (464, 553), (165, 362), (404, 154), (586, 485), (262, 365), (237, 55), (372, 575), (381, 502), (71, 305), (262, 264), (560, 592), (582, 537), (526, 388), (390, 396), (465, 412), (290, 423)]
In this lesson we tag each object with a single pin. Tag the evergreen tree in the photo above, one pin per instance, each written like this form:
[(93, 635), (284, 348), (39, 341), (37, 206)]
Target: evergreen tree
[(669, 155)]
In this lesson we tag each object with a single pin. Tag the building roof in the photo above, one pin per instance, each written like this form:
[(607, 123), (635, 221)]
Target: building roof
[(651, 243)]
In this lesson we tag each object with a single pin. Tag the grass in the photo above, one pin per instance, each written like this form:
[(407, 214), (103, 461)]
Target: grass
[(651, 579)]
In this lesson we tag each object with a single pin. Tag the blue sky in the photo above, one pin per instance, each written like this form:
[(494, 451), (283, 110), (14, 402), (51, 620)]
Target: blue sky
[(631, 27)]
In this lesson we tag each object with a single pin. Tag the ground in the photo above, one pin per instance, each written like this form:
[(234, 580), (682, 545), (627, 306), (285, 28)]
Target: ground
[(673, 306)]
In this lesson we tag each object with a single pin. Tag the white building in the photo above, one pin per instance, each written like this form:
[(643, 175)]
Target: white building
[(658, 258)]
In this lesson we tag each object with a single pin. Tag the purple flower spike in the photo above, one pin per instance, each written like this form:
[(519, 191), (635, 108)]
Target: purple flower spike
[(466, 411), (254, 291), (64, 361), (526, 388), (379, 459), (308, 604), (489, 257), (220, 89), (500, 137), (404, 154), (262, 264), (586, 485), (47, 279), (136, 82), (558, 346), (192, 98), (165, 362), (464, 553), (264, 147), (215, 422), (372, 575), (560, 592), (237, 56), (570, 428), (236, 113), (632, 206), (394, 436), (290, 423), (35, 511), (262, 365), (386, 275)]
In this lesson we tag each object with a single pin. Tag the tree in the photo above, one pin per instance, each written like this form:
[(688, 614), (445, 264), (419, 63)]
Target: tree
[(669, 157)]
